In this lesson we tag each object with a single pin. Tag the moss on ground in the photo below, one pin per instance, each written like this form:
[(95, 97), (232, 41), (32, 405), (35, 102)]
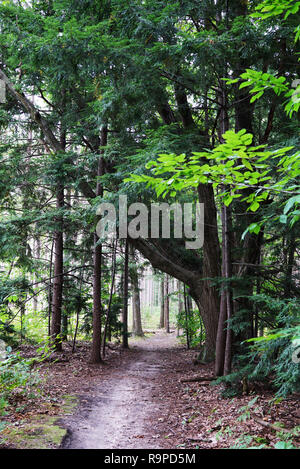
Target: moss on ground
[(39, 431)]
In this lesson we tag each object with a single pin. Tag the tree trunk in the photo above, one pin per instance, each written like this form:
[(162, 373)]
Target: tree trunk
[(224, 335), (113, 275), (97, 307), (162, 303), (97, 262), (22, 314), (125, 299), (58, 277), (137, 329), (207, 297), (136, 311), (50, 289), (167, 305), (180, 305), (77, 315), (290, 259), (58, 256), (228, 274), (221, 334), (37, 249), (187, 314), (65, 325)]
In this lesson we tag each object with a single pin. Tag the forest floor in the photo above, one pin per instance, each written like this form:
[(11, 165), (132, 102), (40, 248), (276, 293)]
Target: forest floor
[(138, 399)]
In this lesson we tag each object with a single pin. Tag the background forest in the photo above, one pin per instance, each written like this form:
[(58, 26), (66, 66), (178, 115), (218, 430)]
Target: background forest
[(178, 101)]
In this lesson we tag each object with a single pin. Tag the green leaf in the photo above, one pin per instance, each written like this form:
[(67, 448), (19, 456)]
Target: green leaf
[(292, 201), (283, 219), (228, 199), (254, 206)]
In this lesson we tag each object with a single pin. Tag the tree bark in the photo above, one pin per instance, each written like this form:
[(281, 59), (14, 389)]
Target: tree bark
[(77, 315), (162, 303), (37, 248), (97, 307), (137, 329), (187, 314), (180, 306), (228, 275), (167, 305), (58, 276), (50, 288), (208, 299), (108, 313), (125, 299), (97, 262)]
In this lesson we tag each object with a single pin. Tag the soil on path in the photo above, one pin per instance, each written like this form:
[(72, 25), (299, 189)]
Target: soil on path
[(120, 411)]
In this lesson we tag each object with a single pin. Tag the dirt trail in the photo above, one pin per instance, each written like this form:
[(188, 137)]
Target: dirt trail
[(117, 412)]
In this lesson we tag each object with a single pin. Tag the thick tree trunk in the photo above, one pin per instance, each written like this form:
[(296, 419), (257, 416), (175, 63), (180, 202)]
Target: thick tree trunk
[(207, 298)]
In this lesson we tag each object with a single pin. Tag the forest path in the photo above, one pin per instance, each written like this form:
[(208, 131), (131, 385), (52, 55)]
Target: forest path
[(117, 412)]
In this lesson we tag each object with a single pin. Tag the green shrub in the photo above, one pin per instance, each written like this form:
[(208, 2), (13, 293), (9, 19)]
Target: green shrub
[(272, 357), (16, 373)]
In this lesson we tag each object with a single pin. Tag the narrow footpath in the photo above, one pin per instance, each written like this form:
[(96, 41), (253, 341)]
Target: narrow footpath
[(118, 412)]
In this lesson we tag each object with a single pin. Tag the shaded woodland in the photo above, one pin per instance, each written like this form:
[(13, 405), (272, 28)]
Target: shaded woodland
[(164, 102)]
